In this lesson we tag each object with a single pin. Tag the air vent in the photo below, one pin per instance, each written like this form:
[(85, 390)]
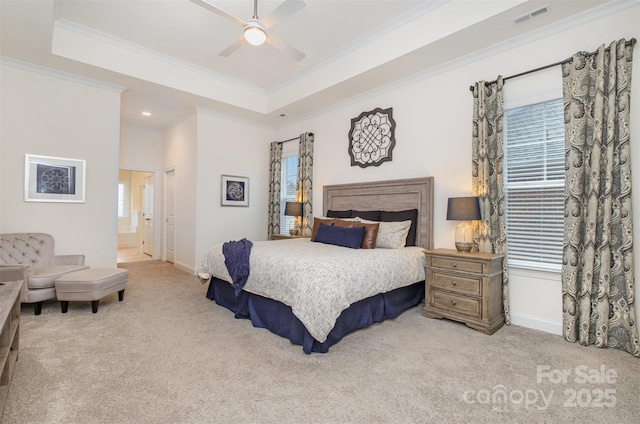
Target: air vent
[(533, 14)]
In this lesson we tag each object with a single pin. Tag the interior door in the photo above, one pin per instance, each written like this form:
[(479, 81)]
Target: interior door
[(170, 222), (147, 214)]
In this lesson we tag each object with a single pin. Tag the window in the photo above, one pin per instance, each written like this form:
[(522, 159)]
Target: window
[(534, 184), (288, 179), (122, 189)]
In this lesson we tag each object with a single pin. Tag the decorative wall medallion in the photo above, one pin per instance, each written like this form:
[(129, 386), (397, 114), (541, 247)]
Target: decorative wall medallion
[(372, 137)]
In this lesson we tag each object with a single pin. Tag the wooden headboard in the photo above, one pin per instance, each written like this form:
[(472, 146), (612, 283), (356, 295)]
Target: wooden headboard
[(390, 195)]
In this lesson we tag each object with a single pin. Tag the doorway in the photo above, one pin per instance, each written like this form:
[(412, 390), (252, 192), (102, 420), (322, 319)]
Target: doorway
[(135, 216), (170, 213)]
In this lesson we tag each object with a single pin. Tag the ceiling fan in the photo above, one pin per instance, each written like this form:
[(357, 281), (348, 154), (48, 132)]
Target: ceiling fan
[(255, 30)]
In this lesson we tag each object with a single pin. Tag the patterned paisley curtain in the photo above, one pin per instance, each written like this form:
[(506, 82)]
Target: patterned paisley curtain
[(487, 174), (274, 188), (304, 182), (597, 270)]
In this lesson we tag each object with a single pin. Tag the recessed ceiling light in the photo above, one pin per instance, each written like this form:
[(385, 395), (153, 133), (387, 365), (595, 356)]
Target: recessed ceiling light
[(146, 113)]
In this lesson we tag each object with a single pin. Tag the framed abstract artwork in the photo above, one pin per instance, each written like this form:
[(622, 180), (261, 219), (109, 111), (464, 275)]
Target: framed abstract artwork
[(54, 179), (234, 191)]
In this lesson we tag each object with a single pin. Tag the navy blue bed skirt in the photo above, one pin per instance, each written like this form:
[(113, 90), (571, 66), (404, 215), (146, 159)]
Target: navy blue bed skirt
[(279, 319)]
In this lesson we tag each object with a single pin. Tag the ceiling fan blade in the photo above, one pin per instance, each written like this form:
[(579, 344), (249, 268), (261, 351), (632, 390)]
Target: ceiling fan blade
[(294, 53), (287, 8), (219, 11), (232, 47)]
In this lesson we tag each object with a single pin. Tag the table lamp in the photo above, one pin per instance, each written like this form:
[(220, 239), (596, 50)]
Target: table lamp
[(465, 209), (294, 209)]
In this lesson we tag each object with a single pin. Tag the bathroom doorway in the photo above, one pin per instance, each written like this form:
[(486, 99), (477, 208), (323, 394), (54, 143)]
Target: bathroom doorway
[(135, 216)]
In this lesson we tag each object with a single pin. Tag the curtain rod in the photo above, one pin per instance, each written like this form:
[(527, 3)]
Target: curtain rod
[(562, 62), (291, 139)]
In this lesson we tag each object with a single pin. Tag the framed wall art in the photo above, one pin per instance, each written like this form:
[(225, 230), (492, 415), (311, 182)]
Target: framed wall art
[(54, 179), (372, 137), (234, 191)]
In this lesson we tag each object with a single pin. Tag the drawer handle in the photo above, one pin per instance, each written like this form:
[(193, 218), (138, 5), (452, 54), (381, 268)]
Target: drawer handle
[(453, 283), (454, 265), (453, 302)]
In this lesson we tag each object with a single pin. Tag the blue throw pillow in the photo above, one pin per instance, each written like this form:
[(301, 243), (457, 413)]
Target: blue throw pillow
[(340, 236)]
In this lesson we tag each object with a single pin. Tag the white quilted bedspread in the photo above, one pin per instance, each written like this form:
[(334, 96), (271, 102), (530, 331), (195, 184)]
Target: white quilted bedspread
[(318, 281)]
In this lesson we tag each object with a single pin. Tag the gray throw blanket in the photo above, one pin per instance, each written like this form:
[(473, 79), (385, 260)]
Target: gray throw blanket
[(236, 259)]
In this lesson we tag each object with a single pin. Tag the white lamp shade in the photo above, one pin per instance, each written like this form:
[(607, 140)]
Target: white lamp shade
[(254, 33)]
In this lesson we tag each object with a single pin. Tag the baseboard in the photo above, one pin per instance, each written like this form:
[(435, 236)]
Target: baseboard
[(537, 324), (185, 267)]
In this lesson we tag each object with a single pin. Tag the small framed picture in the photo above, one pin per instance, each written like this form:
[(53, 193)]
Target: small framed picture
[(53, 179), (234, 191)]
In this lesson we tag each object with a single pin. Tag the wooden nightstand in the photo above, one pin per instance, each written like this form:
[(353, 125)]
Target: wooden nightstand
[(287, 236), (465, 287)]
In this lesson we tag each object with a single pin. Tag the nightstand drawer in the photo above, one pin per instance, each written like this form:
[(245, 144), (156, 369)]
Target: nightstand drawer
[(456, 283), (457, 264), (465, 287), (460, 304)]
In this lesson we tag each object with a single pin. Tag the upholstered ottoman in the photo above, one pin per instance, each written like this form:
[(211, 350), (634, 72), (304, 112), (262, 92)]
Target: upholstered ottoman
[(91, 284)]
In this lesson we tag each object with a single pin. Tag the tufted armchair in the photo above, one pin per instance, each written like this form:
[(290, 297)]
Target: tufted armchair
[(29, 257)]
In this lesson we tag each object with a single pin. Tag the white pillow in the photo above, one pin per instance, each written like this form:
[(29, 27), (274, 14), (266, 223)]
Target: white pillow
[(391, 235)]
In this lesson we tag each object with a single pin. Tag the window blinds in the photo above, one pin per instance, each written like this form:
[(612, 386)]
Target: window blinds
[(288, 189), (534, 186)]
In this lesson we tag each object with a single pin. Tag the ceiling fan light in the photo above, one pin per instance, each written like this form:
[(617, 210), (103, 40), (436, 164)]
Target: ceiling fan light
[(254, 33)]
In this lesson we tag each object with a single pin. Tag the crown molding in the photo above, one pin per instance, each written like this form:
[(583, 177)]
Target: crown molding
[(15, 63), (390, 26), (231, 117), (557, 27), (153, 54)]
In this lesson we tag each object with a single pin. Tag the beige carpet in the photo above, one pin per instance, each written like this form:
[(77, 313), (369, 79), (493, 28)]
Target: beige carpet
[(169, 355)]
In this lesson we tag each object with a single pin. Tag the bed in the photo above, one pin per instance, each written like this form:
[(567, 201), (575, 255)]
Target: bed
[(281, 296)]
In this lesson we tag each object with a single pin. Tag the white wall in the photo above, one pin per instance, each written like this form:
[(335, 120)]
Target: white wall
[(50, 116), (200, 149), (433, 138), (141, 150), (179, 153), (230, 147)]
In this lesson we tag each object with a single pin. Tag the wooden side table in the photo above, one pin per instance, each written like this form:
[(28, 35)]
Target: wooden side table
[(9, 335), (465, 287), (287, 236)]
